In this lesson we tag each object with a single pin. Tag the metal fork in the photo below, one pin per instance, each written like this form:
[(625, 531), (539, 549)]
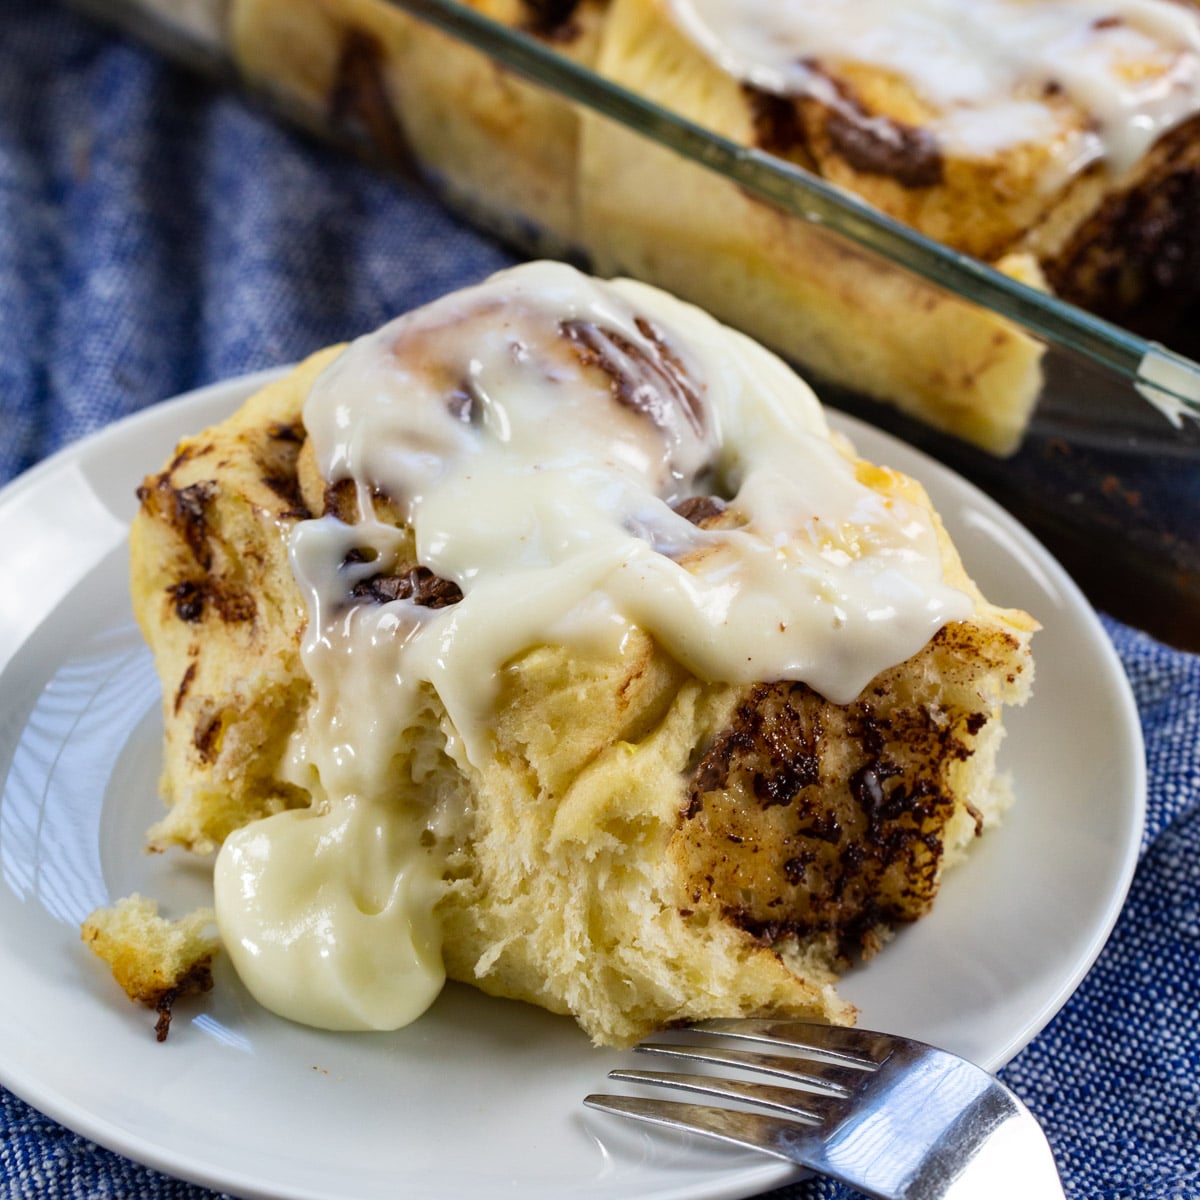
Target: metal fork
[(894, 1118)]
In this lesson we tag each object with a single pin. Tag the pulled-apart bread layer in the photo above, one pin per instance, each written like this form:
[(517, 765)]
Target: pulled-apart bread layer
[(1121, 242), (640, 847)]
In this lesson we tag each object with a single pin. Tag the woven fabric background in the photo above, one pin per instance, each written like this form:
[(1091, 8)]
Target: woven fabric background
[(156, 234)]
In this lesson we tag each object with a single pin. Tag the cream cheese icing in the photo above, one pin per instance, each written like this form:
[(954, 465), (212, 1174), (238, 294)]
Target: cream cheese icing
[(537, 434), (990, 69)]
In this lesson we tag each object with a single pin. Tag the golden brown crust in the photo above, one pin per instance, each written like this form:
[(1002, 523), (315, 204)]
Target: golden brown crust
[(214, 596)]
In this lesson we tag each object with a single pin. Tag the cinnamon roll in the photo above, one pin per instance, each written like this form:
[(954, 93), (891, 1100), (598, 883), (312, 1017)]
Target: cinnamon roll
[(548, 639)]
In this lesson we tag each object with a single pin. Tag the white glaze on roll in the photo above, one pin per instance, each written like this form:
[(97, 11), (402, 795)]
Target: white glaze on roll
[(536, 432), (988, 67)]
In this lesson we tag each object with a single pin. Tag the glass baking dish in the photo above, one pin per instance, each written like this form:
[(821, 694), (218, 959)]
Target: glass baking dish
[(1086, 431)]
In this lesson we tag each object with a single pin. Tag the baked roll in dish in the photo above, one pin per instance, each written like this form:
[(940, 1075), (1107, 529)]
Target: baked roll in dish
[(1058, 141), (497, 146), (547, 639)]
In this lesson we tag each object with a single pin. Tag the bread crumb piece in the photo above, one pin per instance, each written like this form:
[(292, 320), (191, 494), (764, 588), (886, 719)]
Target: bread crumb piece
[(156, 961)]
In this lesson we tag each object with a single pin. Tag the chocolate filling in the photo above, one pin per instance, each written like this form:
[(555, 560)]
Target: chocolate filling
[(420, 585), (551, 19), (359, 102), (657, 381), (807, 818), (699, 509), (880, 146), (869, 142)]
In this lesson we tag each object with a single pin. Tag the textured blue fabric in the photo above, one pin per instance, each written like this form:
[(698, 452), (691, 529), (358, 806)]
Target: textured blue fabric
[(156, 235)]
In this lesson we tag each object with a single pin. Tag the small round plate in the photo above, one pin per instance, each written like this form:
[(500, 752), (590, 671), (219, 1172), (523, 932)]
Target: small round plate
[(480, 1096)]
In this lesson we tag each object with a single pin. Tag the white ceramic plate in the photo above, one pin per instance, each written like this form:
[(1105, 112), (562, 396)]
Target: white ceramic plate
[(480, 1097)]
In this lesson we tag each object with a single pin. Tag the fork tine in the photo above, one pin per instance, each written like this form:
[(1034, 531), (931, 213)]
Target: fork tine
[(796, 1103), (834, 1078), (751, 1131), (843, 1043)]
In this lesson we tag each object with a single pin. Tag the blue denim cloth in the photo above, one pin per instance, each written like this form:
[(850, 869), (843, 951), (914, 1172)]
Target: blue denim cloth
[(156, 235)]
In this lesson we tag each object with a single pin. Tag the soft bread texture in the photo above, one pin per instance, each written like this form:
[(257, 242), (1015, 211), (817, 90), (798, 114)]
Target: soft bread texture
[(641, 847), (559, 179)]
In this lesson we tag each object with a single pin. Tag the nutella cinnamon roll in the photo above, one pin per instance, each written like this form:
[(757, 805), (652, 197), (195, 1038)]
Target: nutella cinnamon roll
[(579, 660)]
